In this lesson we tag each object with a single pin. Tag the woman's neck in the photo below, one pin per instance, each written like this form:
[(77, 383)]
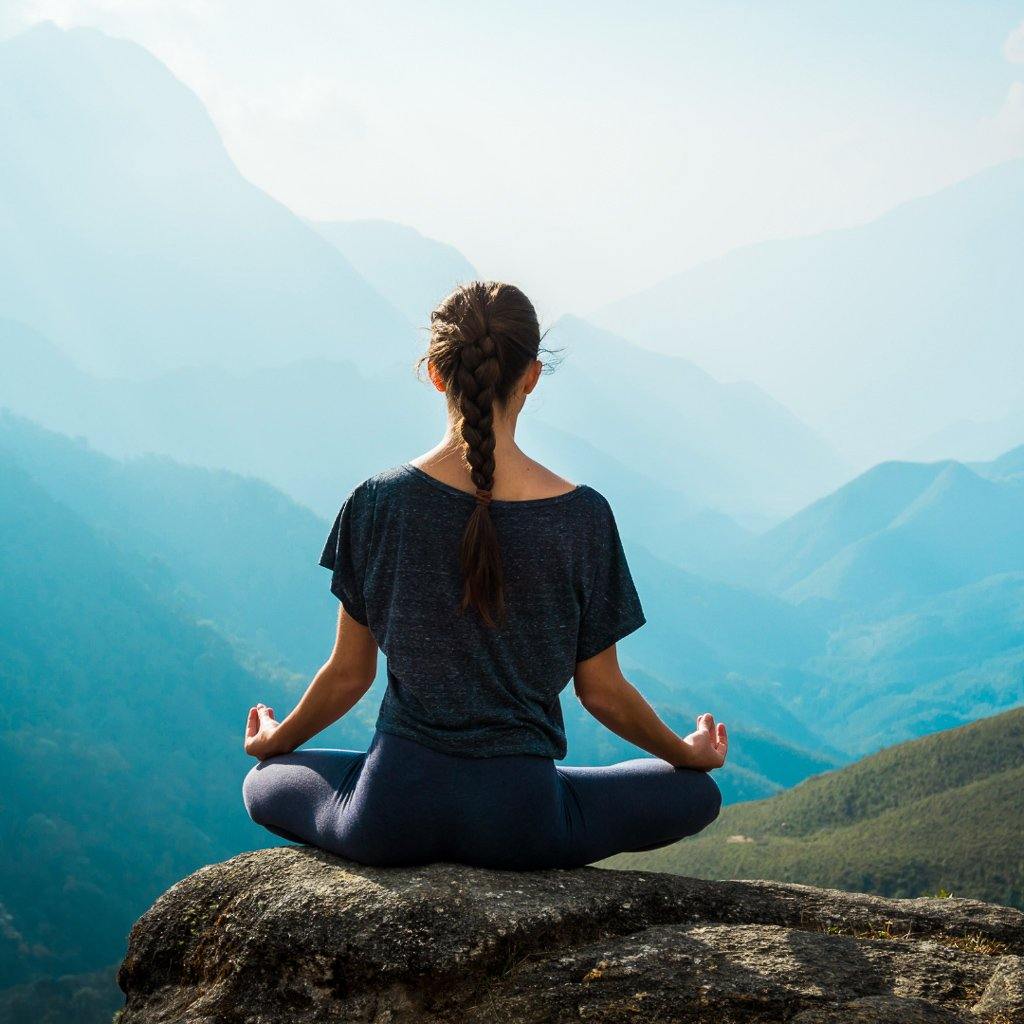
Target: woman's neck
[(517, 476)]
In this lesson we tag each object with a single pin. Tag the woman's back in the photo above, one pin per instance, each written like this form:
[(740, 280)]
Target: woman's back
[(454, 683), (485, 603)]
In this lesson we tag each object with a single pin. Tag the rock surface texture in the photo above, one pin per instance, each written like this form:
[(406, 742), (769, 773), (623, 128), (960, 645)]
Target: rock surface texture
[(292, 935)]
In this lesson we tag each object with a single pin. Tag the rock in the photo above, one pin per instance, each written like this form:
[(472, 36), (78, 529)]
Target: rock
[(293, 935)]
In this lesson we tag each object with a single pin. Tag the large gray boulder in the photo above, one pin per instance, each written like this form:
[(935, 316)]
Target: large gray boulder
[(292, 935)]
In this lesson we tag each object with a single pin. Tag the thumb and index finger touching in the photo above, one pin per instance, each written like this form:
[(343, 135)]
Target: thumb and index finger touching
[(716, 731), (258, 714)]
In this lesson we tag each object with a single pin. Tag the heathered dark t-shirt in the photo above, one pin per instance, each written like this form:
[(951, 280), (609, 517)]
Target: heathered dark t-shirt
[(455, 684)]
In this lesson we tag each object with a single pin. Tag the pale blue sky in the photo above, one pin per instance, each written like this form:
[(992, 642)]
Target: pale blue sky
[(586, 150)]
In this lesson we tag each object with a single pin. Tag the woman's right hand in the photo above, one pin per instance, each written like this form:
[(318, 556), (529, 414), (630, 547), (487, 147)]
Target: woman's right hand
[(706, 747), (260, 728)]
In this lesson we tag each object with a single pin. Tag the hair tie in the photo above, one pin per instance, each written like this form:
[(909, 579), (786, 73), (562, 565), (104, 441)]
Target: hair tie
[(484, 497)]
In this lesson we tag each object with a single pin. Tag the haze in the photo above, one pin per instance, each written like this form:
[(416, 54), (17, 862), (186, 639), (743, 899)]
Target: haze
[(587, 151)]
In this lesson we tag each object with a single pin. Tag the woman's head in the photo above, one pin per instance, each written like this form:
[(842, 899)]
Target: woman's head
[(484, 337)]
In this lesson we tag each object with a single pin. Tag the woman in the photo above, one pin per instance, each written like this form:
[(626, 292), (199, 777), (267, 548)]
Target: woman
[(488, 582)]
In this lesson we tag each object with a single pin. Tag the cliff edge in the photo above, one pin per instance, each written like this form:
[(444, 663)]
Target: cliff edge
[(292, 935)]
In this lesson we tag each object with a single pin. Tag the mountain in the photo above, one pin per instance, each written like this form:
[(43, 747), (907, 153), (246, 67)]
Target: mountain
[(961, 529), (730, 447), (249, 420), (966, 440), (120, 737), (897, 532), (92, 998), (411, 271), (877, 335), (132, 240), (914, 572), (1008, 466), (240, 555), (238, 552), (146, 605), (939, 812), (254, 420), (201, 319), (936, 663)]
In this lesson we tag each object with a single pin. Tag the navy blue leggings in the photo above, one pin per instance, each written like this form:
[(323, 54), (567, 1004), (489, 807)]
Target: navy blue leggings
[(401, 803)]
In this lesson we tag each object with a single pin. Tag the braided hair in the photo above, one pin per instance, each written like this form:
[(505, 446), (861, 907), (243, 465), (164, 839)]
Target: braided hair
[(483, 337)]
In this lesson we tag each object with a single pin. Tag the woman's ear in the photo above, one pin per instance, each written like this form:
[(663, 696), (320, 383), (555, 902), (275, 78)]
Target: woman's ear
[(436, 379), (532, 376)]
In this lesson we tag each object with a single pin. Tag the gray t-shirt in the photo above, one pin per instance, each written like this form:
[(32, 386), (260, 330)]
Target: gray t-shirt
[(455, 684)]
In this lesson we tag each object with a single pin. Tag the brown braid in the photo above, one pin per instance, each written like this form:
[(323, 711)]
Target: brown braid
[(484, 336), (478, 374)]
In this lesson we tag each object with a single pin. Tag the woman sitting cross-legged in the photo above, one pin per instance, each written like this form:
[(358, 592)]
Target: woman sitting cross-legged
[(488, 582)]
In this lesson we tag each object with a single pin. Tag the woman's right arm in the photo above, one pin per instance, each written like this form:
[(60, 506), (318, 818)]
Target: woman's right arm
[(606, 693)]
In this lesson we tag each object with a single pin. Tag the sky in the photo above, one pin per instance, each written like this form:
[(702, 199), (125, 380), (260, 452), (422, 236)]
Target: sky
[(587, 150)]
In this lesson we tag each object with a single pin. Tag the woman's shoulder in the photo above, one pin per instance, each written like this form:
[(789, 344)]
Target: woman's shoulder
[(387, 479), (362, 496), (383, 480), (589, 499), (396, 486)]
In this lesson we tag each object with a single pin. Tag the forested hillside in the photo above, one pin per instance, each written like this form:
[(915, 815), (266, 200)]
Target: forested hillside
[(942, 812)]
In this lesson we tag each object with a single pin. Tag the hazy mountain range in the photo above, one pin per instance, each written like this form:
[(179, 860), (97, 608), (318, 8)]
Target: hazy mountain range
[(974, 439), (195, 596), (242, 556), (411, 271), (136, 248), (146, 605), (119, 737), (132, 240), (199, 377), (879, 336), (915, 571), (900, 531)]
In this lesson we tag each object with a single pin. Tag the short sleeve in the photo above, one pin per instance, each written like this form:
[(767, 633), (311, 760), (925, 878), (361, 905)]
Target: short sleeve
[(611, 608), (346, 559)]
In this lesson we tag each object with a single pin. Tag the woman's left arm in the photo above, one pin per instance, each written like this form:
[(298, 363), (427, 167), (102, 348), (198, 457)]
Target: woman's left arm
[(336, 688)]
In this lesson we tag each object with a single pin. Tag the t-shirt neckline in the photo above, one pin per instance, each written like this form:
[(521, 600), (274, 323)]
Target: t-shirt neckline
[(422, 474)]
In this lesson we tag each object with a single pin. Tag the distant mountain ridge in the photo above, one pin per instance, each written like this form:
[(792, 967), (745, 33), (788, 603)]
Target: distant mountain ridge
[(721, 443), (939, 812), (1008, 466), (973, 439), (900, 530), (411, 271), (210, 319), (252, 420), (240, 555), (133, 241), (915, 574), (877, 335)]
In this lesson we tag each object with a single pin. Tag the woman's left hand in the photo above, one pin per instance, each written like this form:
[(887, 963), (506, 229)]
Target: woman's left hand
[(260, 728)]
